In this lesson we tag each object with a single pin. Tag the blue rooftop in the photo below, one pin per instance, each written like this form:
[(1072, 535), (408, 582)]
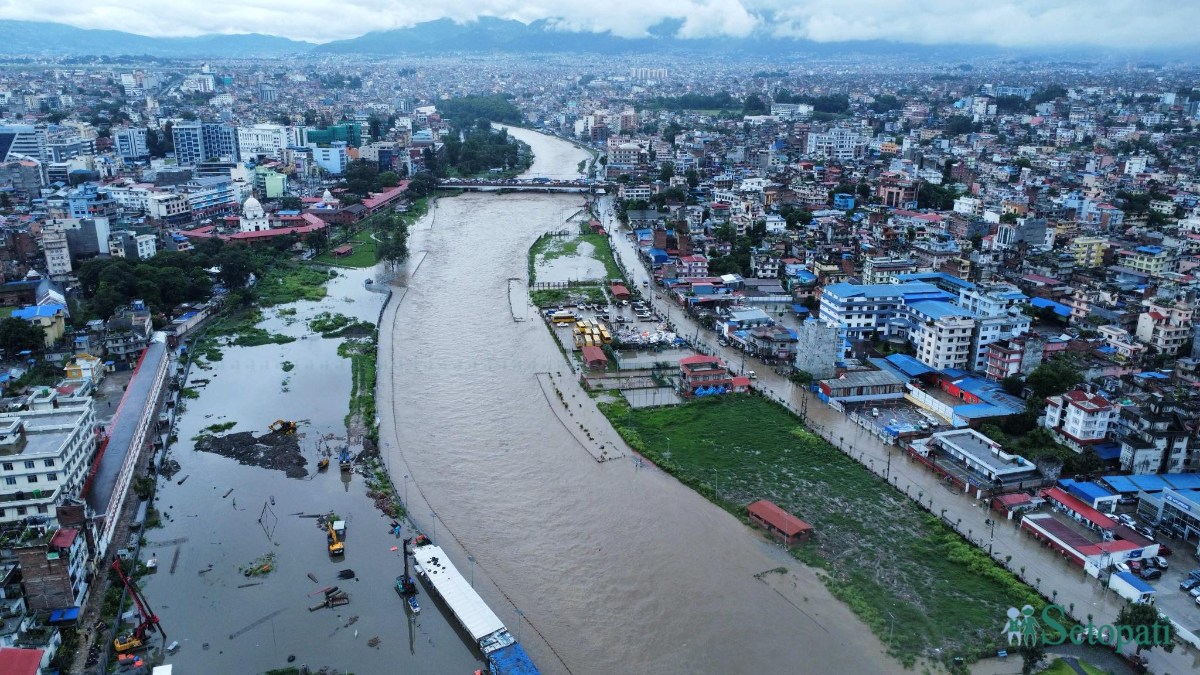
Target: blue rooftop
[(37, 312), (1152, 250), (914, 289), (1089, 492), (1059, 308), (1138, 585), (934, 277), (939, 309), (1121, 484), (909, 365)]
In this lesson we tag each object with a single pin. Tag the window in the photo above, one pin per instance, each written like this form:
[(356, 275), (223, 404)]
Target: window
[(42, 509), (29, 464), (51, 477), (49, 462), (21, 510), (32, 478), (8, 466), (10, 480)]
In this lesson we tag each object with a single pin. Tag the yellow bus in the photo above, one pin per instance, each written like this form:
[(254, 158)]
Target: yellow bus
[(581, 326), (605, 336), (560, 318)]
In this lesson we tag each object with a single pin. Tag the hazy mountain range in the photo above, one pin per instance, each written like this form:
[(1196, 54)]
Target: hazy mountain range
[(443, 36)]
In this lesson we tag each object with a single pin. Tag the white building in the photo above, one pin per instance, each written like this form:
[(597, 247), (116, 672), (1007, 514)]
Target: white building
[(1079, 418), (254, 219), (58, 253), (331, 158), (266, 139), (44, 455), (941, 333), (131, 143), (147, 246), (838, 143)]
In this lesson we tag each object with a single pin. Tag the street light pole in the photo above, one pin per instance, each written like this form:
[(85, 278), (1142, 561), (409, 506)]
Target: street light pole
[(434, 529), (471, 559)]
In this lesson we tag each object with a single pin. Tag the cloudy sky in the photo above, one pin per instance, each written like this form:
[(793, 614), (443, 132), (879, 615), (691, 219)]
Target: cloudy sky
[(1022, 23)]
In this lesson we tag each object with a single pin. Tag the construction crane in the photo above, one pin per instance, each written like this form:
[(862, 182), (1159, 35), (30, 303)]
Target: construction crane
[(335, 547), (136, 639), (405, 584)]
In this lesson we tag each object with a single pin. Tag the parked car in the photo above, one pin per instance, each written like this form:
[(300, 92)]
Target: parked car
[(1163, 549), (1135, 566), (1150, 574), (1127, 500), (1188, 584), (1120, 567), (1160, 562), (1127, 520), (1146, 532), (1195, 592)]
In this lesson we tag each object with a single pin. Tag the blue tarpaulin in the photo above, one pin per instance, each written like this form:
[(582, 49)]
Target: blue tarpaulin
[(511, 660)]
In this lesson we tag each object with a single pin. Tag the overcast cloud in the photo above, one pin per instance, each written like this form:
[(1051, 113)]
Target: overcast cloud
[(1023, 23)]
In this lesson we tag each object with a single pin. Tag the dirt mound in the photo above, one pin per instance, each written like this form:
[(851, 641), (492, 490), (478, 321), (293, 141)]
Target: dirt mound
[(269, 451)]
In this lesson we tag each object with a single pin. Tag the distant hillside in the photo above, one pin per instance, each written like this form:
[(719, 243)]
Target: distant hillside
[(489, 34), (32, 38)]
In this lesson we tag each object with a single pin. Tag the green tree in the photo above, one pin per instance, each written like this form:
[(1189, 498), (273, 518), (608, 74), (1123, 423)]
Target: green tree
[(17, 335), (666, 171), (422, 184), (693, 178), (1013, 385), (754, 105), (1144, 617), (1053, 377), (290, 203), (1032, 652), (237, 264)]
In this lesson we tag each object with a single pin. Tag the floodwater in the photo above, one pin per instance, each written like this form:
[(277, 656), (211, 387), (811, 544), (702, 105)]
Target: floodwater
[(597, 567), (224, 516), (582, 266)]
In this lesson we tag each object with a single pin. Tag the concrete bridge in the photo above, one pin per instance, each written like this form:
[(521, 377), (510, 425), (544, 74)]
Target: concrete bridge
[(522, 185)]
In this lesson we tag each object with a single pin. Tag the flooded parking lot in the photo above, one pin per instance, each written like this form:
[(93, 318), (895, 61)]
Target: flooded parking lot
[(220, 516)]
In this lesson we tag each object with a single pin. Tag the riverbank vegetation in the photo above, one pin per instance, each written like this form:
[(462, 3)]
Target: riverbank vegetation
[(917, 583), (361, 417)]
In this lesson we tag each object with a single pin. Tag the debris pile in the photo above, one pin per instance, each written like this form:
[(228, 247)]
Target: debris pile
[(269, 451)]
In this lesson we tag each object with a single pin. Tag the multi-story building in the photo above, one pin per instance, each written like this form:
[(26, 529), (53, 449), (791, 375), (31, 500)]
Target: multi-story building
[(131, 143), (818, 349), (883, 270), (209, 196), (331, 158), (88, 201), (169, 208), (1015, 356), (54, 570), (57, 250), (1124, 347), (838, 143), (1152, 260), (703, 371), (196, 142), (44, 454), (1166, 328), (865, 312), (1153, 439), (268, 140), (942, 334), (26, 140), (1089, 251), (1079, 418)]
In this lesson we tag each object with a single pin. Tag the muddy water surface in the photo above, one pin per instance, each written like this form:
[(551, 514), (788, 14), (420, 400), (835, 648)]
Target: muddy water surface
[(601, 568)]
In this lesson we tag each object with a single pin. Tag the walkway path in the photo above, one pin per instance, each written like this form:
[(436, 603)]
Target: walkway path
[(1066, 584)]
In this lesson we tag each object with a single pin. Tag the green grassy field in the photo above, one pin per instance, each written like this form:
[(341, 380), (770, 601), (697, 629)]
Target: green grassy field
[(289, 283), (918, 584), (365, 252)]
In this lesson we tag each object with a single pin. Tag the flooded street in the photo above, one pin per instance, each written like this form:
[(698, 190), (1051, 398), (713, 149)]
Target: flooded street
[(224, 516), (597, 567)]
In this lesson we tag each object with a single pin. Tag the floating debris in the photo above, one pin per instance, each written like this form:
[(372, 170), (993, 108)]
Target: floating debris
[(345, 574), (257, 583), (374, 642), (262, 566), (313, 577)]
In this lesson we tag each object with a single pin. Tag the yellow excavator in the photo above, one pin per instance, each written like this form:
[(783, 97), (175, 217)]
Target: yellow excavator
[(283, 427), (335, 547)]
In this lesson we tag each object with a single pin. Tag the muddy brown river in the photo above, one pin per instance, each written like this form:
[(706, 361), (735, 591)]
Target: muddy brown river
[(598, 567)]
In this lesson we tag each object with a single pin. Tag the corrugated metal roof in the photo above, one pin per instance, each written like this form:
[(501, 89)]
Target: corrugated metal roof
[(470, 609)]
